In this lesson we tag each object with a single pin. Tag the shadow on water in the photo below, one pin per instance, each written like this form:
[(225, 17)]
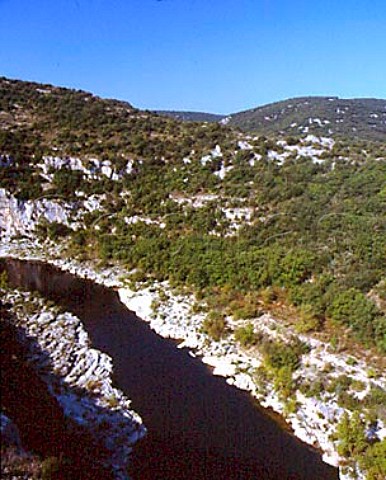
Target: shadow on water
[(199, 426), (43, 428)]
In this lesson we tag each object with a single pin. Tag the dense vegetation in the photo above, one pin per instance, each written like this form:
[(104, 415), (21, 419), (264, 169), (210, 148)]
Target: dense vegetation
[(316, 234), (318, 238), (43, 118), (355, 118), (355, 445)]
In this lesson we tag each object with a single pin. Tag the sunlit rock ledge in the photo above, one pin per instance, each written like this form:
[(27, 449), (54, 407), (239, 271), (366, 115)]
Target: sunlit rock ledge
[(171, 316), (78, 375)]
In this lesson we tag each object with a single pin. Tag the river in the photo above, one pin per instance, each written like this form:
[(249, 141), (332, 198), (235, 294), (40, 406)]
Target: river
[(199, 427)]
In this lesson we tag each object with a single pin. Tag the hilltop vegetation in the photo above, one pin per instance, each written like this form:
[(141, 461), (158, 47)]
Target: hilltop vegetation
[(205, 206), (327, 116), (191, 116), (40, 119), (362, 119)]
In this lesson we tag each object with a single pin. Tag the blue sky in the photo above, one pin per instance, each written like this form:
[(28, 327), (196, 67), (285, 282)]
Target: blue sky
[(211, 55)]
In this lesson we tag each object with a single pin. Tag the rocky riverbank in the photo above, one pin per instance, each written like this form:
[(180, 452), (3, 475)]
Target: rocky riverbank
[(314, 411), (77, 376), (312, 416)]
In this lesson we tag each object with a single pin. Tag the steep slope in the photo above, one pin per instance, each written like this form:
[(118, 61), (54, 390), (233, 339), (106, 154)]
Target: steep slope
[(45, 118), (125, 184), (294, 227), (357, 118)]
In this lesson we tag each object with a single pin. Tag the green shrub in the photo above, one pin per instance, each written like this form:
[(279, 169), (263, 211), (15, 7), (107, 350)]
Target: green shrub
[(268, 295), (346, 400), (376, 396), (56, 230), (245, 312), (247, 336), (358, 385), (67, 181), (351, 361), (375, 402), (307, 321), (352, 308), (351, 437), (261, 378), (215, 325), (380, 332), (4, 280), (373, 461), (296, 267), (339, 384), (381, 287), (283, 382), (354, 446), (278, 355), (291, 406)]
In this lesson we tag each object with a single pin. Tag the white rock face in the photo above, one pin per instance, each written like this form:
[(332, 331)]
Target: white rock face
[(225, 120), (310, 146), (223, 171), (22, 217), (196, 201), (75, 364), (93, 169), (18, 216), (244, 145)]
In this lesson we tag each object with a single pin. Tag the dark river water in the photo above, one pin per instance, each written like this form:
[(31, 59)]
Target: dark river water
[(199, 427)]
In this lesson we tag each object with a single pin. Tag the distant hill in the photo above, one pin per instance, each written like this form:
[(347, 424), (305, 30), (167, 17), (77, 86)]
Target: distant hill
[(327, 116), (191, 116), (363, 118)]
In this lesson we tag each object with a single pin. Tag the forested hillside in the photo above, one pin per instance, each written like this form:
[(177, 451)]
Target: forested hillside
[(291, 225), (233, 216), (43, 118)]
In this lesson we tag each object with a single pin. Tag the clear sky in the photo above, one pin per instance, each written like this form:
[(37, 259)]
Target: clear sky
[(217, 56)]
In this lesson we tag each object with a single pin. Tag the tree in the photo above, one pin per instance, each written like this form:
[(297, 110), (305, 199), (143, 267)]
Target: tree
[(373, 462), (351, 437), (352, 308), (246, 335)]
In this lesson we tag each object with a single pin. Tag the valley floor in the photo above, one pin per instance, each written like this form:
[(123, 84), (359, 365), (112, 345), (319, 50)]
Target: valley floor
[(312, 411)]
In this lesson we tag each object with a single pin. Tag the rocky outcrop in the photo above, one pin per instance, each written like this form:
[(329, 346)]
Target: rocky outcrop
[(78, 376), (92, 168), (21, 217)]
